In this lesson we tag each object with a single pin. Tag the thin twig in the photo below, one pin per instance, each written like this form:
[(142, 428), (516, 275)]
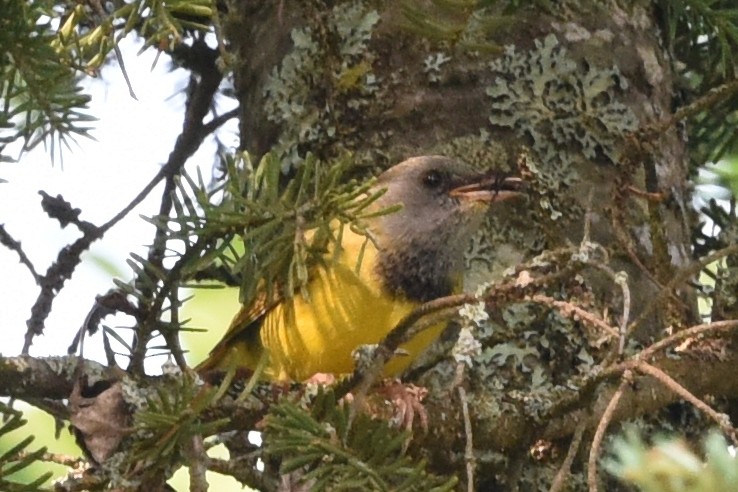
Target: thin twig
[(171, 333), (721, 419), (712, 97), (650, 196), (560, 479), (616, 370), (197, 464), (469, 447), (364, 375), (618, 225), (136, 200), (607, 415), (681, 276), (621, 280), (74, 462), (66, 263), (193, 133), (7, 240), (695, 330), (53, 281), (570, 310), (218, 121)]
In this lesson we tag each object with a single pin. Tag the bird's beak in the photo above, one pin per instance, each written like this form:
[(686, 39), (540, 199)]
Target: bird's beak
[(489, 190)]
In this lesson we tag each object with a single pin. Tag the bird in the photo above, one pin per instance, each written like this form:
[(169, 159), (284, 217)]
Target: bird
[(365, 287)]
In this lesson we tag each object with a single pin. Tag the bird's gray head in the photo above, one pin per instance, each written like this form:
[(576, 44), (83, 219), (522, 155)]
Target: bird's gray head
[(443, 202)]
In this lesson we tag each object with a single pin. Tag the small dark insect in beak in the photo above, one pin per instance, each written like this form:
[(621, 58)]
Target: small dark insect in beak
[(489, 189)]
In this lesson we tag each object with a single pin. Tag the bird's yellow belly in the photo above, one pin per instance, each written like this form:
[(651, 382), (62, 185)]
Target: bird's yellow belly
[(344, 310)]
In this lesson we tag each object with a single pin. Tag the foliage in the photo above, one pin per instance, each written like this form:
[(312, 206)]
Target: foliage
[(670, 466), (263, 231), (332, 447), (723, 174), (87, 35), (168, 422), (16, 459), (466, 24), (42, 99), (703, 36), (44, 46)]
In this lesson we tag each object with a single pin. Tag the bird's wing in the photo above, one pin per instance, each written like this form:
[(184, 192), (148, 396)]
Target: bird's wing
[(244, 328), (243, 337)]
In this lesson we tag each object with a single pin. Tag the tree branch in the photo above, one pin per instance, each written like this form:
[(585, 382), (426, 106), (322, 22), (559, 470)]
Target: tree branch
[(506, 430), (192, 136)]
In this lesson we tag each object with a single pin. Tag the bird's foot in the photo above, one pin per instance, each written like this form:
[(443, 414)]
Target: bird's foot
[(406, 403)]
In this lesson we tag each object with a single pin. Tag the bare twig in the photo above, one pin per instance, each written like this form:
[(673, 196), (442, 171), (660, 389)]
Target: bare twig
[(7, 240), (615, 370), (650, 196), (68, 259), (364, 375), (197, 463), (193, 133), (170, 334), (681, 276), (53, 281), (74, 462), (621, 280), (712, 97), (618, 224), (560, 479), (571, 310), (721, 419), (692, 331), (607, 415), (469, 447)]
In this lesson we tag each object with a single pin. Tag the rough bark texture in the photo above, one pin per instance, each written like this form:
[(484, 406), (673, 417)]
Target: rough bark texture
[(569, 90)]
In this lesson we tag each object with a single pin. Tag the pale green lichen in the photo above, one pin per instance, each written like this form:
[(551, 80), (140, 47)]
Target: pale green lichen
[(556, 101), (501, 353), (295, 91), (474, 314), (432, 66), (565, 109), (481, 151), (135, 395), (517, 351), (118, 479), (467, 348)]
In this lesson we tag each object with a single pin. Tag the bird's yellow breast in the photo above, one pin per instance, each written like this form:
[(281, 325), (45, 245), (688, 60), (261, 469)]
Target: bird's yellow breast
[(346, 307)]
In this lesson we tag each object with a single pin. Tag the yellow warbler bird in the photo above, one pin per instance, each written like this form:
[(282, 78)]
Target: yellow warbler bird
[(364, 288)]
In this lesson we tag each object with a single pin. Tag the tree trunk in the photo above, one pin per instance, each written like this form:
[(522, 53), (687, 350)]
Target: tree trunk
[(566, 100)]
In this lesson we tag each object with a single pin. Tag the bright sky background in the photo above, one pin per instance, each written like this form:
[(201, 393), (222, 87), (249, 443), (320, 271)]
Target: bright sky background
[(100, 177)]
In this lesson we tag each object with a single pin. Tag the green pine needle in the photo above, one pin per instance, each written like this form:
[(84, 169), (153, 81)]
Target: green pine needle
[(330, 449)]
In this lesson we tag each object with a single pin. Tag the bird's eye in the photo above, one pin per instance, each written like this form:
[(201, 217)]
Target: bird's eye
[(433, 178)]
